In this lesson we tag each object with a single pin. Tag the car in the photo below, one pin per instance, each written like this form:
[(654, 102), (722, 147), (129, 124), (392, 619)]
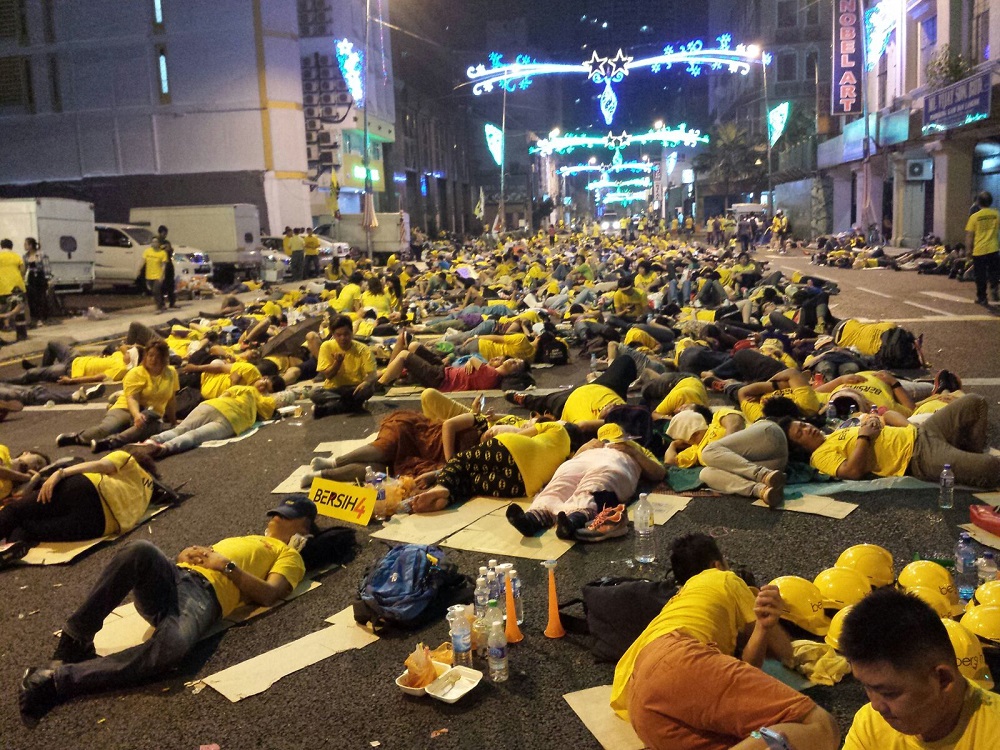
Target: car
[(120, 249), (328, 250), (189, 261)]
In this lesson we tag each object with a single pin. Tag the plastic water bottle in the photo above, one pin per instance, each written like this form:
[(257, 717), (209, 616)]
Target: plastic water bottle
[(986, 568), (515, 583), (480, 638), (593, 363), (946, 495), (461, 635), (481, 596), (369, 475), (645, 541), (965, 567), (832, 420), (498, 653), (491, 583)]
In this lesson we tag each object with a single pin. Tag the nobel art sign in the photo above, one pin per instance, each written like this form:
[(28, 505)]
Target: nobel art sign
[(848, 56)]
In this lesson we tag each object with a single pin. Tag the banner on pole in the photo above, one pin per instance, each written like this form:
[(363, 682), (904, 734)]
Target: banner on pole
[(848, 56)]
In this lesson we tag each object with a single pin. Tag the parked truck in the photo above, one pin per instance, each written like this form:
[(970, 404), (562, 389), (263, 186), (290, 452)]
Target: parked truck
[(64, 229), (229, 234), (391, 236)]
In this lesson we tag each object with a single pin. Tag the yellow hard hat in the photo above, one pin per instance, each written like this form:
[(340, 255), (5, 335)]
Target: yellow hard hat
[(984, 621), (988, 593), (842, 587), (934, 599), (934, 576), (803, 604), (837, 627), (969, 654), (870, 559)]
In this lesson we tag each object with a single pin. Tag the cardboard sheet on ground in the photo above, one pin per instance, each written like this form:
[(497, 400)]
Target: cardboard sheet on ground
[(430, 528), (339, 448), (860, 485), (256, 675), (97, 404), (125, 627), (492, 534), (237, 438), (990, 498), (981, 535), (666, 507), (816, 505), (593, 706), (293, 483), (58, 553)]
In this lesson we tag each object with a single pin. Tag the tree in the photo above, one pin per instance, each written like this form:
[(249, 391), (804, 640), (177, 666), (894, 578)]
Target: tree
[(732, 156)]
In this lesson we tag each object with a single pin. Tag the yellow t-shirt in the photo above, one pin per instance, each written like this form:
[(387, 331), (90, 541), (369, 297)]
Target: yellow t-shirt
[(347, 266), (893, 450), (180, 345), (214, 384), (155, 260), (688, 391), (311, 243), (345, 300), (978, 727), (712, 607), (691, 456), (113, 367), (513, 345), (6, 486), (11, 272), (151, 392), (803, 396), (639, 339), (875, 390), (537, 457), (378, 302), (588, 401), (257, 555), (632, 304), (644, 281), (241, 405), (359, 362), (984, 224), (865, 337), (125, 494)]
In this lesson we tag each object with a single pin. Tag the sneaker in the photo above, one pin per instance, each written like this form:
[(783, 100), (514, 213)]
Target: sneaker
[(37, 695), (774, 478), (72, 651), (516, 398), (95, 391), (11, 552), (982, 302), (97, 446), (67, 438), (79, 395), (26, 364), (610, 523), (773, 497)]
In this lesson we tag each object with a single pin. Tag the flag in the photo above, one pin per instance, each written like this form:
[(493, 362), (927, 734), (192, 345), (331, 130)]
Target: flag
[(480, 210), (498, 221), (333, 200)]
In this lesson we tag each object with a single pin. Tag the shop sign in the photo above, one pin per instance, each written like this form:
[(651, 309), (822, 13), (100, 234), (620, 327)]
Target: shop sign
[(959, 104)]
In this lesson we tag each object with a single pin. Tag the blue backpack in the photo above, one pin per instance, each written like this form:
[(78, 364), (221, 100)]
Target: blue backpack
[(411, 585)]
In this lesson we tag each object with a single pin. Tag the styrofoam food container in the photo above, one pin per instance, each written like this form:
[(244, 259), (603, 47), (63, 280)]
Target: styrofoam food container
[(439, 667), (444, 691)]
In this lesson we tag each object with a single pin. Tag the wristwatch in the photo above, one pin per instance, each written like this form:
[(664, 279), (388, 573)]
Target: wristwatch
[(229, 568), (773, 740)]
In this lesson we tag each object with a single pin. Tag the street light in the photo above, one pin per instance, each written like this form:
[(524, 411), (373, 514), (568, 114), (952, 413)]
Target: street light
[(756, 51)]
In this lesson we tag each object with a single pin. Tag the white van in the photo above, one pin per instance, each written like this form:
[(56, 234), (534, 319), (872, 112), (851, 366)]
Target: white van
[(119, 255)]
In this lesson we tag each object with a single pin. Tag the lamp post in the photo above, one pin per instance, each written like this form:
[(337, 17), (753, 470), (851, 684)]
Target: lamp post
[(767, 135), (368, 199)]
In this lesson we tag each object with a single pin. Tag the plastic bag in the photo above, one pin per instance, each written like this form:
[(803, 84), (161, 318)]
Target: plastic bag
[(445, 653), (420, 670)]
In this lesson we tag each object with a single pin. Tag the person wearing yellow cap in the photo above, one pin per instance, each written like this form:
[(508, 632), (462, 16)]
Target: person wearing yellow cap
[(900, 652)]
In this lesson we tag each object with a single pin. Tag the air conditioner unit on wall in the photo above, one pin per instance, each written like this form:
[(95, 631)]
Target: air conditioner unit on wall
[(310, 87), (918, 170), (313, 124), (312, 153), (310, 100)]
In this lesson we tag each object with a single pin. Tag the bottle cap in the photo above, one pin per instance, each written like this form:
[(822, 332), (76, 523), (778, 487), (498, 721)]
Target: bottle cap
[(491, 576), (512, 573), (481, 581)]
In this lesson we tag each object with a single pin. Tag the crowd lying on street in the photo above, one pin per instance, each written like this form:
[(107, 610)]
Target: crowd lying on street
[(702, 357)]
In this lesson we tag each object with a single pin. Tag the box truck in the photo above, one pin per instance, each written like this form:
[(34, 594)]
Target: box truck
[(392, 235), (229, 234), (64, 229)]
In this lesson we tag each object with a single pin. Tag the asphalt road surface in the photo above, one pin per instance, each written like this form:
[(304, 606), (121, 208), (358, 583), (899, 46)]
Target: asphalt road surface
[(349, 700)]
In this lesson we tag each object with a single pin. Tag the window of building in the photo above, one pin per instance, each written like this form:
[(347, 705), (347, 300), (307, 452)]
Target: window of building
[(787, 67), (788, 13), (55, 90), (810, 12), (928, 42), (16, 95), (981, 30), (883, 82), (811, 66), (13, 21), (164, 78), (49, 21)]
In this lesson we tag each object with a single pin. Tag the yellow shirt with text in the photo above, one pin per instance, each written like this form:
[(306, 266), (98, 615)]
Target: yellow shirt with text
[(893, 450)]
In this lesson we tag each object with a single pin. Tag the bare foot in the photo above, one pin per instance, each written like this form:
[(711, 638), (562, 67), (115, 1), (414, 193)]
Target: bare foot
[(430, 500)]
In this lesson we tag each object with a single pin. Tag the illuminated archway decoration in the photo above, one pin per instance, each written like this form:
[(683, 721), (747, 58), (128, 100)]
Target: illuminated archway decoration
[(777, 119), (880, 22), (606, 184), (626, 197), (671, 162), (666, 136), (352, 65), (609, 71), (494, 142), (629, 166)]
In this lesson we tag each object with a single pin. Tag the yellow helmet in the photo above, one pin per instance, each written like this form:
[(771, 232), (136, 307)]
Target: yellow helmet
[(988, 593), (969, 654), (934, 599), (984, 621), (930, 574), (837, 627), (842, 587), (803, 604), (870, 559)]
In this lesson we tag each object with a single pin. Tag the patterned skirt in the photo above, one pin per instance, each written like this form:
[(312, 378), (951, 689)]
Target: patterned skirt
[(487, 469)]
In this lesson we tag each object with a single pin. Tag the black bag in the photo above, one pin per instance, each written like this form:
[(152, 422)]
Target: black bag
[(899, 350), (334, 546), (550, 349), (637, 421), (617, 610)]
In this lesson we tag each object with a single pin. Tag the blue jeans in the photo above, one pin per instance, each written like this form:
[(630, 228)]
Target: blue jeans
[(178, 602)]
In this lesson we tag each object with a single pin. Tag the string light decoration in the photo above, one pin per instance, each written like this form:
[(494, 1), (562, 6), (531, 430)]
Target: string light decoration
[(666, 136), (494, 142), (606, 184), (610, 71), (880, 22), (626, 197), (352, 66), (629, 166)]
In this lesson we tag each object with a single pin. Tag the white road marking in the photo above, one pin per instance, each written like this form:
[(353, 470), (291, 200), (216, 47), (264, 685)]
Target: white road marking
[(941, 319), (950, 297), (925, 307), (980, 381), (872, 291)]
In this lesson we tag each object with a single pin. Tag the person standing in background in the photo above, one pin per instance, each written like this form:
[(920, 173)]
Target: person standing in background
[(311, 254), (155, 260), (36, 280), (296, 249), (981, 234), (169, 280)]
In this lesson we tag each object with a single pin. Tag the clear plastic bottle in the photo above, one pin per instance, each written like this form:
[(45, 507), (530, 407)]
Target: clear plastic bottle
[(461, 635), (491, 583), (481, 596), (986, 568), (645, 539), (503, 570), (515, 582), (946, 494), (965, 567), (499, 669), (369, 475), (480, 638), (832, 420), (593, 363)]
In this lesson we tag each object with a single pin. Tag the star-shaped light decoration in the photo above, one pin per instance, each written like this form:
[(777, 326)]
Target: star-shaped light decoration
[(596, 65), (618, 65), (618, 141)]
